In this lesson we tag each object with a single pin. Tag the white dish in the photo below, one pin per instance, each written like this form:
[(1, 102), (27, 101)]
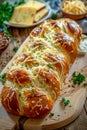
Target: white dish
[(34, 24)]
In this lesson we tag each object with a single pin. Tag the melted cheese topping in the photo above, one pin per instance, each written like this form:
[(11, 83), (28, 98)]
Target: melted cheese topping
[(43, 60)]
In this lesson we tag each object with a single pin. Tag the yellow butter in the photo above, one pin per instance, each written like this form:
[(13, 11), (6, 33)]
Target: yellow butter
[(23, 14), (37, 4), (40, 14)]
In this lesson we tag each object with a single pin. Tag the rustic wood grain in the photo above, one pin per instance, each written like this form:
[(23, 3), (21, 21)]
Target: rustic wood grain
[(80, 123), (85, 106), (6, 124)]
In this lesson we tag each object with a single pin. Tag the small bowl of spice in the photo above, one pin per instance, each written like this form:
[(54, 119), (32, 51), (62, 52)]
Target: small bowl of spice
[(4, 41)]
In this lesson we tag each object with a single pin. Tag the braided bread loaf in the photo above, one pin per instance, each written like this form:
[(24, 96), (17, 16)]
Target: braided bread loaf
[(36, 75)]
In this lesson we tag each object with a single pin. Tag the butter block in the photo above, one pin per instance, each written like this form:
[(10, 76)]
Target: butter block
[(40, 14), (23, 14)]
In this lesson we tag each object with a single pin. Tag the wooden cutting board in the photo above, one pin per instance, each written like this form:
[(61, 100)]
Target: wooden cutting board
[(61, 115)]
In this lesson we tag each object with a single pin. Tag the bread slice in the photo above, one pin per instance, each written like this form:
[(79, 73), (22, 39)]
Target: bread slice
[(40, 14)]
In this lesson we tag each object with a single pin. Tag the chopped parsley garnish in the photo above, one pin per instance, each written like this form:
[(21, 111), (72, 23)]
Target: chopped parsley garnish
[(40, 46), (78, 78), (58, 115), (49, 65), (65, 101), (3, 78), (85, 84), (15, 48), (51, 114), (32, 91), (54, 16)]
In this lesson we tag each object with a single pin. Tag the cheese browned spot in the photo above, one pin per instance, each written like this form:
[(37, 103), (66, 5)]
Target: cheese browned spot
[(25, 59), (10, 100), (59, 61), (39, 104), (19, 76), (51, 79), (66, 43)]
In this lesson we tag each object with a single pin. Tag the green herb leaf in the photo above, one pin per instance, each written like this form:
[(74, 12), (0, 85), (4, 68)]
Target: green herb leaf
[(51, 114), (40, 46), (32, 91), (6, 11), (65, 101), (15, 48), (54, 16), (78, 78), (3, 78), (85, 84), (49, 65), (20, 2)]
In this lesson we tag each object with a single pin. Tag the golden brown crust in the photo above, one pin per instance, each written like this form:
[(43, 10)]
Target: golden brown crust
[(59, 61), (35, 78), (74, 30), (51, 79), (39, 104), (38, 31), (9, 100), (25, 58), (18, 76), (67, 44)]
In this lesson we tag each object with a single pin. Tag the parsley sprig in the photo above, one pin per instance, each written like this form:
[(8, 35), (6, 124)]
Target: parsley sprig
[(54, 16), (6, 10), (49, 65), (15, 49), (65, 101), (51, 114), (78, 78), (85, 84), (3, 78)]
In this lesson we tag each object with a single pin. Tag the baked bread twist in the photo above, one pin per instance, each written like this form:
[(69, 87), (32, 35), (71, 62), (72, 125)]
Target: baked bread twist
[(36, 75)]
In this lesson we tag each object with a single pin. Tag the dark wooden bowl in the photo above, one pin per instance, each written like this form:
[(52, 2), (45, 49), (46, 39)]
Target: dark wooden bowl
[(4, 41)]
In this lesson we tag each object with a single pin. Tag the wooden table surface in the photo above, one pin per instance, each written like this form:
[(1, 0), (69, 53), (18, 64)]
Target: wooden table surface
[(20, 35)]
